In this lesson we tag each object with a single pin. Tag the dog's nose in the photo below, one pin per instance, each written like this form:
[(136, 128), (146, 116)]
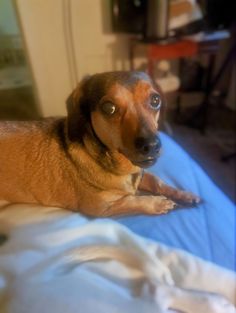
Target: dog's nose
[(148, 146)]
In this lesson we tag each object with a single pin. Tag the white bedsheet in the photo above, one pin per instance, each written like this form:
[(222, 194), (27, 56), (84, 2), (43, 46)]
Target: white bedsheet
[(58, 261)]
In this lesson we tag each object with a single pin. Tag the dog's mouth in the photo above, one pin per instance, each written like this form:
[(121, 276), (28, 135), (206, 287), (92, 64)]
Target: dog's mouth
[(141, 161), (145, 163)]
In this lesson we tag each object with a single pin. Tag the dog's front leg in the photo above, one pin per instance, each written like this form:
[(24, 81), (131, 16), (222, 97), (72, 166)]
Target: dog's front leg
[(154, 185), (129, 205)]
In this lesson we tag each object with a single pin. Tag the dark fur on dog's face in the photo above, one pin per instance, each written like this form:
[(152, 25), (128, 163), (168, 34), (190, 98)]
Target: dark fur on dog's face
[(122, 110)]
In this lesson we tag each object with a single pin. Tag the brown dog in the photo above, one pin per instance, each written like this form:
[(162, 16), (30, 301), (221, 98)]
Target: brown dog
[(92, 160)]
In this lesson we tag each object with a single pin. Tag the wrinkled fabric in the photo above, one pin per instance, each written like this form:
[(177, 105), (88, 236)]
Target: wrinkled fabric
[(53, 260)]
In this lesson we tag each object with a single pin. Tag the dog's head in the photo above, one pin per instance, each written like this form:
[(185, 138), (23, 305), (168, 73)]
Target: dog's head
[(122, 110)]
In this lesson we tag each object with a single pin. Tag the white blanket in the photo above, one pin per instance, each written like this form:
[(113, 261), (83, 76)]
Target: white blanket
[(57, 261)]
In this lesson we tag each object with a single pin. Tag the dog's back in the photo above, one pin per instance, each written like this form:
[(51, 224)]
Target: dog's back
[(28, 149), (39, 165)]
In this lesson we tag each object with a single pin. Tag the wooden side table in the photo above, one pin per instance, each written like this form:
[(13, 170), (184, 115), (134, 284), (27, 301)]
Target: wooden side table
[(155, 52)]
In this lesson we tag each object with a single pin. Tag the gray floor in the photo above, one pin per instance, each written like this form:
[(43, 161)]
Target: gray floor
[(208, 150)]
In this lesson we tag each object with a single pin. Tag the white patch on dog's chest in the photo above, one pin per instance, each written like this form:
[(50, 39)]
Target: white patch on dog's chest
[(132, 182)]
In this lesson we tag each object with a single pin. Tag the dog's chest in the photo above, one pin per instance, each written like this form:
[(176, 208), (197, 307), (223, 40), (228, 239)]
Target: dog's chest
[(95, 184), (131, 183), (126, 184)]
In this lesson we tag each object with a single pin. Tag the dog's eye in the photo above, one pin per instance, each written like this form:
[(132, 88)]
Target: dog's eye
[(108, 108), (155, 101)]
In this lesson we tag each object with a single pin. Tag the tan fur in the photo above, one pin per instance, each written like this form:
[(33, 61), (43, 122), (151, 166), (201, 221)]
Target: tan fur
[(40, 163)]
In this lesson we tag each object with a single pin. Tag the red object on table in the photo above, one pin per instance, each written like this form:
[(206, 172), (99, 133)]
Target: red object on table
[(183, 48), (179, 49)]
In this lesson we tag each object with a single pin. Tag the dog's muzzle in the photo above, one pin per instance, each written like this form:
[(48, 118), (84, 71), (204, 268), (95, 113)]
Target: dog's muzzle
[(148, 150)]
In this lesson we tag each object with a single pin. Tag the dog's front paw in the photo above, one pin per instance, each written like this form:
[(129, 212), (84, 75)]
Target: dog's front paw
[(164, 205), (187, 198)]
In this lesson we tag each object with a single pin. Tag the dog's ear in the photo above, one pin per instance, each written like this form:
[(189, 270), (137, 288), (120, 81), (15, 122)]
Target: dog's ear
[(77, 111)]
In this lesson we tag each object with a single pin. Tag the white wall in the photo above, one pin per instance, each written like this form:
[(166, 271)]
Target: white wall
[(97, 48), (43, 32)]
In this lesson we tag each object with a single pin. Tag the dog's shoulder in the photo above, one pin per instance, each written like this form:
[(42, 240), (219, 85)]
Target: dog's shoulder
[(45, 126), (47, 133)]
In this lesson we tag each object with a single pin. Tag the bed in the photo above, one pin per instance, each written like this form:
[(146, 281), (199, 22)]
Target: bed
[(54, 260)]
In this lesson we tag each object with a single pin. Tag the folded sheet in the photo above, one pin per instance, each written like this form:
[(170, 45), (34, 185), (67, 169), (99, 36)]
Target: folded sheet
[(53, 260)]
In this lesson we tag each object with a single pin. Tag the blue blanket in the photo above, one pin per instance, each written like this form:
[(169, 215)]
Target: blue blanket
[(208, 230)]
